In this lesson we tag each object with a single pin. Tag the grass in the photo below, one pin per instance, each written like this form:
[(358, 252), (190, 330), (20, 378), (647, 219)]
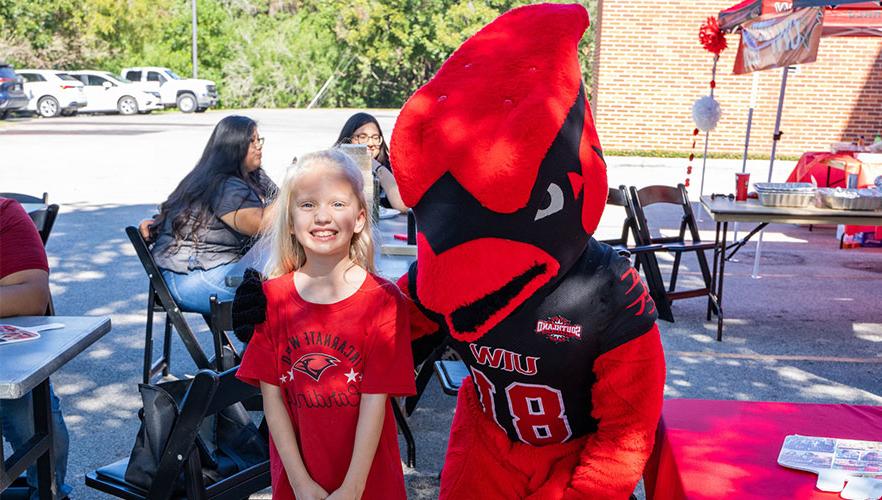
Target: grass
[(681, 154)]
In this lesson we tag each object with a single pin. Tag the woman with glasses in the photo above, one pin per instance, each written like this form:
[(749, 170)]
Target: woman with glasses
[(362, 128), (206, 225)]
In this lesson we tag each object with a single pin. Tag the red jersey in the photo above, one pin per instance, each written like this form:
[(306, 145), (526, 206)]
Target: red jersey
[(324, 356), (20, 245)]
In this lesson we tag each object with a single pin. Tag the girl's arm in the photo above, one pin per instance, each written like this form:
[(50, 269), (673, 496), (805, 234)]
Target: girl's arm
[(286, 443), (371, 412)]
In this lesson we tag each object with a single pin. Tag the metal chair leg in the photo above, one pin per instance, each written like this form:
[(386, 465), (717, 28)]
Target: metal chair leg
[(405, 431)]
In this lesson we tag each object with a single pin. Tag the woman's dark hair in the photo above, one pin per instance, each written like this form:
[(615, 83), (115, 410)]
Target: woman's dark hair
[(189, 205), (354, 123)]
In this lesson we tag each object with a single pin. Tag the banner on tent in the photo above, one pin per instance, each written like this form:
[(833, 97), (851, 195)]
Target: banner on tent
[(779, 40)]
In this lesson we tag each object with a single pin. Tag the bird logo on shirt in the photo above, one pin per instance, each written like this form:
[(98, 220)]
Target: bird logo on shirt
[(314, 364)]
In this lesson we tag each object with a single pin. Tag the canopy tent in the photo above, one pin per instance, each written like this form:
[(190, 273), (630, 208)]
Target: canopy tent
[(840, 18)]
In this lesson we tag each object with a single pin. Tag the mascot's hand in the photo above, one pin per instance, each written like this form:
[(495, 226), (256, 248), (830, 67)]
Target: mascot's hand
[(249, 305), (627, 401)]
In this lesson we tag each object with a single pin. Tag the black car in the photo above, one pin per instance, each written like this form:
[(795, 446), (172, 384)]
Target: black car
[(12, 96)]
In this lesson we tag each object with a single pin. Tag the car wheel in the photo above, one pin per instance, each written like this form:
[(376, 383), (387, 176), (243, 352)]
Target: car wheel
[(47, 107), (187, 103), (127, 105), (4, 114)]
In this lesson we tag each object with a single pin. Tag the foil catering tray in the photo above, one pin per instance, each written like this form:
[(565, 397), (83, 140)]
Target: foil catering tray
[(785, 194), (851, 199)]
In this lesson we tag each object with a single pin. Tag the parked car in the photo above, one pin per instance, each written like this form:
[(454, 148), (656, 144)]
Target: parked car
[(188, 94), (52, 93), (108, 93), (12, 96)]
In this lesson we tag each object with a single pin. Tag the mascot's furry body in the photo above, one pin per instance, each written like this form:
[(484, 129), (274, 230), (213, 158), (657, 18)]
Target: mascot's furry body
[(499, 158)]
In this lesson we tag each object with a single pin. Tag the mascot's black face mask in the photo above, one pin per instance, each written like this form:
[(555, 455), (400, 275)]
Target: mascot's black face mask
[(507, 188)]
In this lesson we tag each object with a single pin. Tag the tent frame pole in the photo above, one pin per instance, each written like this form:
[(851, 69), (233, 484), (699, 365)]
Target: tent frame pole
[(707, 133), (753, 97), (775, 138)]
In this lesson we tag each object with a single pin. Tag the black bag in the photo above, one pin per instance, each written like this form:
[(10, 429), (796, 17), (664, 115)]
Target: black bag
[(227, 442)]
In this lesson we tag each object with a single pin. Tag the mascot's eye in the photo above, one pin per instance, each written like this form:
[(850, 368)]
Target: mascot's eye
[(555, 204)]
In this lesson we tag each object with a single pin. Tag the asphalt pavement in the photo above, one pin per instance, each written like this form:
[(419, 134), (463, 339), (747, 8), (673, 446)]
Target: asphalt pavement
[(808, 329)]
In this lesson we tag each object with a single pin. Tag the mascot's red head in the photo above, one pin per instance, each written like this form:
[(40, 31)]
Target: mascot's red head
[(499, 158)]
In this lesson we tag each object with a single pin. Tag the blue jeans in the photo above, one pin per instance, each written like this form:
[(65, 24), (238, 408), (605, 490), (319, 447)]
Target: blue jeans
[(17, 416), (192, 290)]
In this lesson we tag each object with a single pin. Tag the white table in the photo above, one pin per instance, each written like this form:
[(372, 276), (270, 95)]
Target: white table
[(723, 211), (27, 366)]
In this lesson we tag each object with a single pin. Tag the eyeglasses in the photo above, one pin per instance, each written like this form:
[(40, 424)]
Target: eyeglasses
[(365, 139), (258, 141)]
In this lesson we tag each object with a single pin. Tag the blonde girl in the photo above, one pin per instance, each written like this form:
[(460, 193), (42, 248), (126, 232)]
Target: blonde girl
[(335, 343)]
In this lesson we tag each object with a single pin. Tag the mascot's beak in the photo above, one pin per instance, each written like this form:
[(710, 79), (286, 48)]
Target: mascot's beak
[(490, 278)]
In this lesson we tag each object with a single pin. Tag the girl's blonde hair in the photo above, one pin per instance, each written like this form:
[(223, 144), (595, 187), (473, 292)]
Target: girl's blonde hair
[(286, 254)]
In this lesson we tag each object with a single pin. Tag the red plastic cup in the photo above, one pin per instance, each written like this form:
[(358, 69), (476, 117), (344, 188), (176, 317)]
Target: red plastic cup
[(741, 182)]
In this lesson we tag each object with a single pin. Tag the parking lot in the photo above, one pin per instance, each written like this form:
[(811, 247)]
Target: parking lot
[(809, 330)]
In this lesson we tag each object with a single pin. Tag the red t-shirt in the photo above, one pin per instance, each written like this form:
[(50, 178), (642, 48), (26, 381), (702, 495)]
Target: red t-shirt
[(324, 356), (20, 245)]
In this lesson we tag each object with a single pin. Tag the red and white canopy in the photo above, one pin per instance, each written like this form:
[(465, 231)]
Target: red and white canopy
[(841, 17)]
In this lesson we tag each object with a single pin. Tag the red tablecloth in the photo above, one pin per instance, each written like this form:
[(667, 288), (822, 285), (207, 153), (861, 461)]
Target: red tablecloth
[(729, 449)]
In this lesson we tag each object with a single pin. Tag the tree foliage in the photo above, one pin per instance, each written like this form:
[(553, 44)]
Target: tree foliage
[(262, 53)]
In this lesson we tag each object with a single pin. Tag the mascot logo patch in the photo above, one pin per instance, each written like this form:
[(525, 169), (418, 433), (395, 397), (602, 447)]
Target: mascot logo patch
[(559, 329), (314, 364)]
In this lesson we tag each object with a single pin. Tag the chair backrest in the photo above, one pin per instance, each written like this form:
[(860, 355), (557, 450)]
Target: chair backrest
[(221, 323), (618, 197), (652, 195), (159, 287), (26, 198), (45, 220), (209, 393)]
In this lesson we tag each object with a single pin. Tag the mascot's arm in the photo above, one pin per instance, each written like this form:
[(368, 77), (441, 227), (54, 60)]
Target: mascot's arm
[(425, 334), (627, 401)]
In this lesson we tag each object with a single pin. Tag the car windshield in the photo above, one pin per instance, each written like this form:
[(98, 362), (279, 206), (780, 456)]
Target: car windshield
[(113, 78), (173, 75), (65, 76)]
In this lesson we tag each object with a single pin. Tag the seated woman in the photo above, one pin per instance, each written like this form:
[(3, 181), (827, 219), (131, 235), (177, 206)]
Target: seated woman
[(205, 227), (362, 128)]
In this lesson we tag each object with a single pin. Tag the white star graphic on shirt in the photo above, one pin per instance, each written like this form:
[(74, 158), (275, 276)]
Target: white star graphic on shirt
[(284, 378), (351, 376)]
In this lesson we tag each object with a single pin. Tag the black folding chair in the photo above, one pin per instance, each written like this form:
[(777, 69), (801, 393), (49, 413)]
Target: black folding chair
[(221, 325), (209, 393), (676, 245), (44, 219), (26, 198), (618, 197), (159, 299)]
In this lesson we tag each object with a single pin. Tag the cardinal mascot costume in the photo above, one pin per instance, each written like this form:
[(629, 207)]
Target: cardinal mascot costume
[(500, 160)]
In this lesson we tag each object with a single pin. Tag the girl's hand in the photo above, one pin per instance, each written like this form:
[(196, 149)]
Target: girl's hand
[(345, 492), (309, 490)]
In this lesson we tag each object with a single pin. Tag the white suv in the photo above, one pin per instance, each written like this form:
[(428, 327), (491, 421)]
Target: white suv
[(188, 94), (107, 93), (52, 93)]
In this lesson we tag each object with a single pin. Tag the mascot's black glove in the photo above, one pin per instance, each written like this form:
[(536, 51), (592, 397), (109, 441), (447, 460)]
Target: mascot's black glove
[(249, 305)]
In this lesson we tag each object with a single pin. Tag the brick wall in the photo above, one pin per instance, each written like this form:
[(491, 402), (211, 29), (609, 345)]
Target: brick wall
[(649, 68)]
